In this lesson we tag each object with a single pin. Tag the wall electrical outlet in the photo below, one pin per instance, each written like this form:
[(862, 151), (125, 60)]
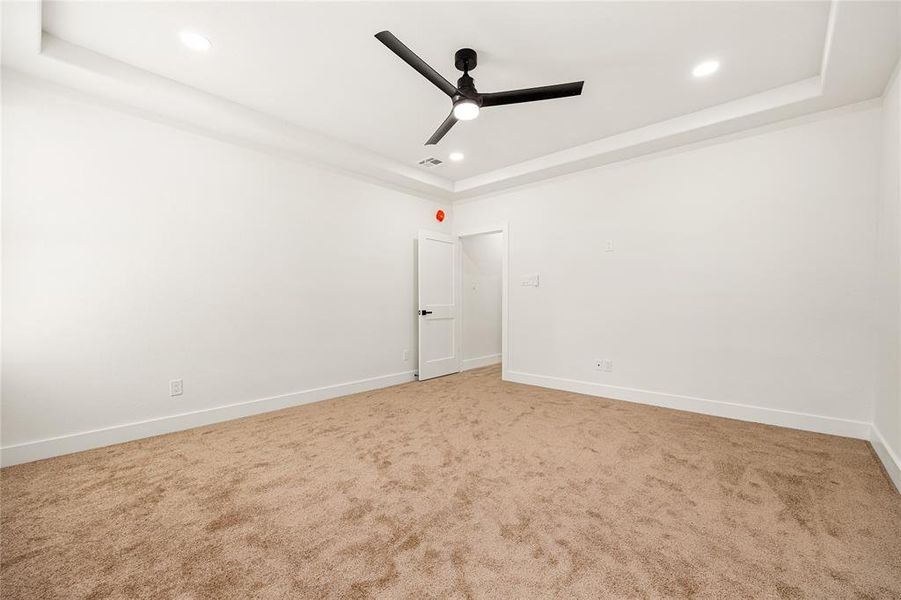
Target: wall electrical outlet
[(176, 387), (405, 355), (603, 364), (609, 246)]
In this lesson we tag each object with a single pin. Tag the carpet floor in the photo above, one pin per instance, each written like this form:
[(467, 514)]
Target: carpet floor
[(460, 487)]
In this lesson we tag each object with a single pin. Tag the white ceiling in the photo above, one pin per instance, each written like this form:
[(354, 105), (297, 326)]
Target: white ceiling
[(317, 66)]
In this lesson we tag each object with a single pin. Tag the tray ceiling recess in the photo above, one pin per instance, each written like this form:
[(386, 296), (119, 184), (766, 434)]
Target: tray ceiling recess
[(308, 80)]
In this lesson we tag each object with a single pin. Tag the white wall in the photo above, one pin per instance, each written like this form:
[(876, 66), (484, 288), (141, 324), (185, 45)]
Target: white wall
[(135, 253), (887, 409), (482, 266), (741, 281)]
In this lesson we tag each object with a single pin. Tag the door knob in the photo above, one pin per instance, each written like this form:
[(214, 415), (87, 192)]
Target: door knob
[(425, 312)]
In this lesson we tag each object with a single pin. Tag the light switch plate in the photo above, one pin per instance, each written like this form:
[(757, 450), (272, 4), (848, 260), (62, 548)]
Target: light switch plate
[(530, 280)]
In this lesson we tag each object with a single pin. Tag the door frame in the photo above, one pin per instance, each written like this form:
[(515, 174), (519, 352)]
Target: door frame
[(503, 229)]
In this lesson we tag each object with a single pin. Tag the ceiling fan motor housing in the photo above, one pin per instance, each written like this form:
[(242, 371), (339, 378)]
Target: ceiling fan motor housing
[(467, 90)]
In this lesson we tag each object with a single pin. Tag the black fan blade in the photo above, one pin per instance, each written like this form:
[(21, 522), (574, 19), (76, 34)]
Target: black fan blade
[(409, 57), (547, 92), (442, 130)]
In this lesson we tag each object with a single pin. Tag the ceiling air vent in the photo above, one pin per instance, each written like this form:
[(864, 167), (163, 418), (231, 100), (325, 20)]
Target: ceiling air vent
[(430, 162)]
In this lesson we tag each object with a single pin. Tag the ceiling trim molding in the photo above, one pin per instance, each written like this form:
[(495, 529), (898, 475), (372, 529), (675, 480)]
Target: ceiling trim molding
[(896, 72), (827, 43), (717, 120), (872, 103), (13, 76), (38, 54), (187, 107)]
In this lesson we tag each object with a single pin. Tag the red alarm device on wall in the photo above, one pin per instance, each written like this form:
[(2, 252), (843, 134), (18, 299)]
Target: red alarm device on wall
[(439, 215)]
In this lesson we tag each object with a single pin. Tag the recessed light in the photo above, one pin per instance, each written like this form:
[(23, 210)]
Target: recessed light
[(456, 156), (195, 41), (708, 67)]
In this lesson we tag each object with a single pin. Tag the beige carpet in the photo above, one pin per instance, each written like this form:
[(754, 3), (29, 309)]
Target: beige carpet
[(462, 487)]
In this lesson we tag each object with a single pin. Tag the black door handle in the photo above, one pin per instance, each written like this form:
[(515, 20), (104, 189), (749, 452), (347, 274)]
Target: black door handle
[(425, 312)]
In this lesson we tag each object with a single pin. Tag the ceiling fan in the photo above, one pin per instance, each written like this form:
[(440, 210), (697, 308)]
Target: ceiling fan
[(466, 100)]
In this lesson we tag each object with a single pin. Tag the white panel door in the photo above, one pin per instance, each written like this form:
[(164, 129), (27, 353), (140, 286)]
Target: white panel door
[(439, 304)]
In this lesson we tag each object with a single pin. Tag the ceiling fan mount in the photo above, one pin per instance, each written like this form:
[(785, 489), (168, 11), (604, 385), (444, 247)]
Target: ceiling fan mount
[(465, 59), (467, 101)]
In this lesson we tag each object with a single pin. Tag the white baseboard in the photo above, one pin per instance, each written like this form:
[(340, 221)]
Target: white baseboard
[(744, 412), (481, 361), (86, 440), (889, 459)]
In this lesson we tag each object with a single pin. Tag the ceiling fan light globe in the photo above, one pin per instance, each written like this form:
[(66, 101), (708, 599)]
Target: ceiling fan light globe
[(466, 110)]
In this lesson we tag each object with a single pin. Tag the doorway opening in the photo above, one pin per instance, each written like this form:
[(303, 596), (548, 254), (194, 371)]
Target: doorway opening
[(462, 290), (483, 275)]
